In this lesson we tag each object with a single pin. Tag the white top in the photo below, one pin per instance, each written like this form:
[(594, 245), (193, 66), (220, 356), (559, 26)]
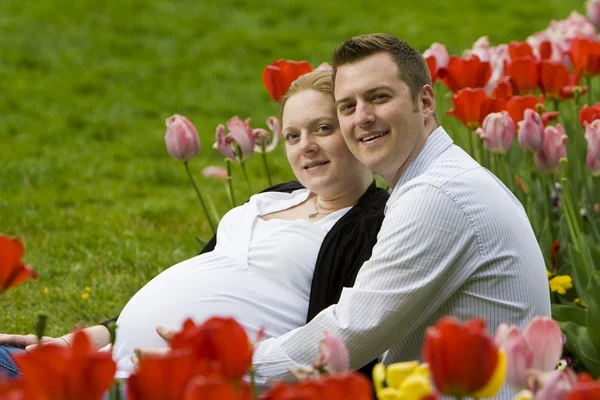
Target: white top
[(260, 273), (454, 241)]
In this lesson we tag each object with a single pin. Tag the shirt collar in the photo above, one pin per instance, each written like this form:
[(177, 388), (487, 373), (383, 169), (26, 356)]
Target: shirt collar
[(436, 143)]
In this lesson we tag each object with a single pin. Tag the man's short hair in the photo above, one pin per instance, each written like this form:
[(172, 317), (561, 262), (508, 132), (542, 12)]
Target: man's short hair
[(411, 64)]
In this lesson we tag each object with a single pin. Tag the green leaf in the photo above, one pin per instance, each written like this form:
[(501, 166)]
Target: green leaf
[(565, 313), (580, 344), (593, 317), (579, 274)]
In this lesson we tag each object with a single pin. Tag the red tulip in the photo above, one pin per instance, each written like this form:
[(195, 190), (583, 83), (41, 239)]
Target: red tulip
[(432, 66), (519, 49), (60, 373), (585, 389), (524, 74), (462, 358), (181, 138), (467, 106), (221, 340), (346, 386), (545, 49), (166, 377), (215, 388), (555, 79), (12, 269), (589, 114), (585, 56), (517, 105), (503, 88), (465, 73), (17, 390), (279, 76)]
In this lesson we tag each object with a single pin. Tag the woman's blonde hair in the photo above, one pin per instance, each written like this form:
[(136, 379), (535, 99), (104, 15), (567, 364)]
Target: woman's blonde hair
[(321, 81)]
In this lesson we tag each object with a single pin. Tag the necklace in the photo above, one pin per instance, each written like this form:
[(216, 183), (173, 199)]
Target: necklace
[(317, 212)]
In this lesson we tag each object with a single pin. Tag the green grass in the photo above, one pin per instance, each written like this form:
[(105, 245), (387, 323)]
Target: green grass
[(85, 87)]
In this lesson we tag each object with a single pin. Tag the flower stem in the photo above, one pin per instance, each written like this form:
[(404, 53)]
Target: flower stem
[(264, 158), (588, 80), (253, 384), (230, 183), (246, 176), (210, 222)]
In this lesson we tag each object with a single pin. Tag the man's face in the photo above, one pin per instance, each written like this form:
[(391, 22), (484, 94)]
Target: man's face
[(379, 122)]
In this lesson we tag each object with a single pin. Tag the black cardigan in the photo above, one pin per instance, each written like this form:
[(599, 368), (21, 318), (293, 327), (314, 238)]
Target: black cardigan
[(347, 245)]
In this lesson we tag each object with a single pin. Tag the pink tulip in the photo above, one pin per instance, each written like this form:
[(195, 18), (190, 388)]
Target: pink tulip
[(333, 354), (215, 172), (439, 52), (272, 138), (181, 138), (240, 133), (556, 385), (593, 11), (498, 132), (324, 67), (554, 147), (538, 348), (531, 131), (592, 135)]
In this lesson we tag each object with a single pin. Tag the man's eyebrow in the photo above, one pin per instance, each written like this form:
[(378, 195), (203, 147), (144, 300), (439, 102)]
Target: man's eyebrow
[(368, 92)]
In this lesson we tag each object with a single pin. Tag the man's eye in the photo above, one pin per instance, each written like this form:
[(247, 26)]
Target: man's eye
[(380, 96), (346, 108), (291, 136)]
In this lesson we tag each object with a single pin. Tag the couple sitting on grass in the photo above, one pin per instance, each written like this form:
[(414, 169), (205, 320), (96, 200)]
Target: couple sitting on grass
[(318, 254)]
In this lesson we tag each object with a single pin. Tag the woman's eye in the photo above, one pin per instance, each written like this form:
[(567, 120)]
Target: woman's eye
[(323, 128)]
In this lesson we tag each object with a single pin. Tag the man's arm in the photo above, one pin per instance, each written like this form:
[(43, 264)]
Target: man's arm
[(419, 261)]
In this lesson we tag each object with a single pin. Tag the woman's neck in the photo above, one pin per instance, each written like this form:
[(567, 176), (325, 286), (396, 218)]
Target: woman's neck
[(327, 203)]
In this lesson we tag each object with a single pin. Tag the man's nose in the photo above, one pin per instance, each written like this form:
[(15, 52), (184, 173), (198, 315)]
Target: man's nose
[(364, 115)]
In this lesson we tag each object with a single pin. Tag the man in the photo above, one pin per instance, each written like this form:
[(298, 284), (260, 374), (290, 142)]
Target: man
[(454, 240)]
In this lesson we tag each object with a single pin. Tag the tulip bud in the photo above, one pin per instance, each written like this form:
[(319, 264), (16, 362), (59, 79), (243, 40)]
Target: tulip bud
[(439, 52), (531, 131), (333, 354), (593, 11), (181, 138), (215, 172), (592, 135), (498, 132), (324, 66), (554, 147)]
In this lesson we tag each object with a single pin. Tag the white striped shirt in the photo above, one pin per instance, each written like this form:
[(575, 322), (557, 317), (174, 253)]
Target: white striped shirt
[(455, 242)]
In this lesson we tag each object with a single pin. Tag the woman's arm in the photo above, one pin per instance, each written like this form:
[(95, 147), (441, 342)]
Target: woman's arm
[(99, 337)]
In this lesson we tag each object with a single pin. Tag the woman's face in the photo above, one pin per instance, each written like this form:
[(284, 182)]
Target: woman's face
[(315, 147)]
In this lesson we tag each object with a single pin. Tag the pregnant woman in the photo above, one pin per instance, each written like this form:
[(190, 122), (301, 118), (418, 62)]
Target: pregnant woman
[(278, 259)]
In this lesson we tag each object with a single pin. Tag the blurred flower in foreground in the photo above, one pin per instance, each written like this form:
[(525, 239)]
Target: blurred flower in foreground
[(181, 138), (483, 364), (215, 172), (12, 269), (61, 373), (539, 347), (403, 381), (333, 355)]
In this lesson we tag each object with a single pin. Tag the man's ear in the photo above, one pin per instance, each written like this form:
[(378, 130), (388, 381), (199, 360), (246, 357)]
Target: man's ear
[(427, 98)]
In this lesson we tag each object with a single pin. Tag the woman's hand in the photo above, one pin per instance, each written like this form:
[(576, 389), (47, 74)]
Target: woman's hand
[(29, 342), (164, 333)]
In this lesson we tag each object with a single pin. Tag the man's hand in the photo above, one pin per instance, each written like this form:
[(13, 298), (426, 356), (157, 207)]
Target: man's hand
[(164, 333), (29, 342)]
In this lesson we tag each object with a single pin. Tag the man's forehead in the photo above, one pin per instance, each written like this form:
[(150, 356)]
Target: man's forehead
[(374, 71)]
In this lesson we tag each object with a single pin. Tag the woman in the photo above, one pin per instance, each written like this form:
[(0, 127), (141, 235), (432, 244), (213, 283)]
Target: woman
[(259, 268)]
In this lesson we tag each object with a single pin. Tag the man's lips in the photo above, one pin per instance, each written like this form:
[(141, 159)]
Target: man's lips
[(314, 164), (367, 137)]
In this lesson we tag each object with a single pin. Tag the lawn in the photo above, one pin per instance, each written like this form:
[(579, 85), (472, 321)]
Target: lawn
[(85, 88)]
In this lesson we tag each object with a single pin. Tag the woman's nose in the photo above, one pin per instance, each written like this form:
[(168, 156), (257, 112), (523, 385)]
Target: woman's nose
[(307, 143)]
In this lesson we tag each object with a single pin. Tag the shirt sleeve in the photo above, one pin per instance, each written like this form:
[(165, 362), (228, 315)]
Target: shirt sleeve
[(421, 246)]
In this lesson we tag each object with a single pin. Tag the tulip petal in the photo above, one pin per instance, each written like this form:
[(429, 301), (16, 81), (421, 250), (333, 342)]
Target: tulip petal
[(546, 342)]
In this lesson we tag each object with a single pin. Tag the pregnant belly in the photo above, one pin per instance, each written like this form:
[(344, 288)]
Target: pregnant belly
[(189, 291)]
